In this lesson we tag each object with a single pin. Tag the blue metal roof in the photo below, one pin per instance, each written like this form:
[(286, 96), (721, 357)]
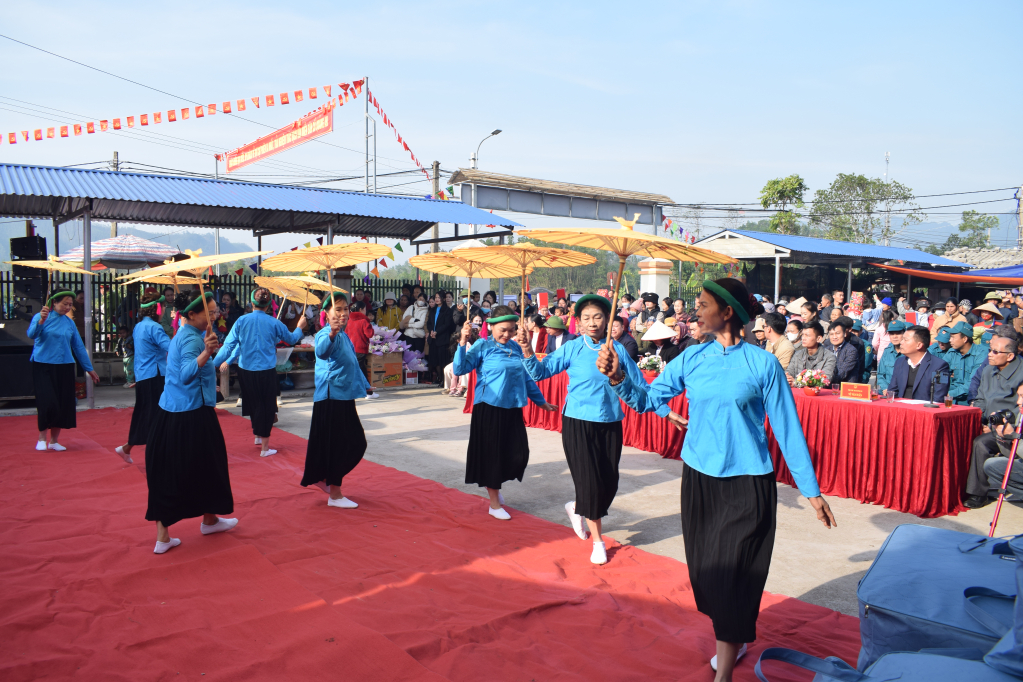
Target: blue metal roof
[(833, 248), (56, 193), (1007, 271)]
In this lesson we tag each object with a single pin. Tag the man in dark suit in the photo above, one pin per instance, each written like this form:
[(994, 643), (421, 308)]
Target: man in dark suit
[(915, 369), (557, 334), (619, 334)]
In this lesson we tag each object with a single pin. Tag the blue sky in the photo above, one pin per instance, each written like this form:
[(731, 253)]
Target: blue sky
[(702, 101)]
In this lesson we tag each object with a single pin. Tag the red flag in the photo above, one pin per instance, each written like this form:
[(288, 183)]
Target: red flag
[(326, 89), (383, 262), (63, 131), (255, 100), (172, 115), (294, 248), (78, 130), (284, 98), (211, 109), (38, 134), (561, 293), (226, 107), (12, 138), (241, 104), (144, 119), (185, 113), (405, 145), (90, 127), (313, 93), (298, 95), (344, 86), (199, 112), (211, 272), (239, 271), (117, 124), (358, 86), (270, 100), (157, 116), (131, 122), (50, 132)]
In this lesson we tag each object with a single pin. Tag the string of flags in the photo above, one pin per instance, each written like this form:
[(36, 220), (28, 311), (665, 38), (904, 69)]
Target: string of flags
[(390, 124), (678, 232), (347, 91)]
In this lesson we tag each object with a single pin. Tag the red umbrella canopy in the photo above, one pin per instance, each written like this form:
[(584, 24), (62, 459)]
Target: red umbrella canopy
[(124, 252)]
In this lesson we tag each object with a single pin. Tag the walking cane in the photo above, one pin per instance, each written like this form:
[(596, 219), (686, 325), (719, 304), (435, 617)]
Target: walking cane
[(1005, 479)]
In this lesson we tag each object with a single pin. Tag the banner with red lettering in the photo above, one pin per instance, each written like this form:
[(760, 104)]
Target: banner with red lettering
[(310, 126)]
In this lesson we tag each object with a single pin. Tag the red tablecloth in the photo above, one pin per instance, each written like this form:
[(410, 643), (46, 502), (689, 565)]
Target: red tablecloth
[(905, 457), (642, 431)]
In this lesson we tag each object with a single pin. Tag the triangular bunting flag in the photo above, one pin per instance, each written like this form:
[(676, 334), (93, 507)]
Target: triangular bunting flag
[(255, 100), (390, 254), (383, 263), (376, 272), (254, 268), (319, 240), (398, 246), (239, 271), (307, 244)]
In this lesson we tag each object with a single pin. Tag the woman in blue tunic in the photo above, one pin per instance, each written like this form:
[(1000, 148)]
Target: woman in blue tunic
[(253, 340), (151, 344), (186, 460), (57, 345), (498, 446), (729, 494), (337, 441), (591, 423)]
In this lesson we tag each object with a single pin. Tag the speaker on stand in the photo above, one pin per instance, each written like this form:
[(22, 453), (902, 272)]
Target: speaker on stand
[(21, 302)]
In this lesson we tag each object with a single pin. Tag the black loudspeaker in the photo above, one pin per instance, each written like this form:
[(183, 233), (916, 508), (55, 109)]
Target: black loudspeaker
[(33, 287), (27, 248)]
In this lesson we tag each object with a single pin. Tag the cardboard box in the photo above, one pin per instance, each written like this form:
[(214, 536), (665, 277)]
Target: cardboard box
[(386, 369)]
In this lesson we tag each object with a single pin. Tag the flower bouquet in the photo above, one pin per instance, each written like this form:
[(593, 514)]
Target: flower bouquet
[(811, 381), (386, 340), (651, 366)]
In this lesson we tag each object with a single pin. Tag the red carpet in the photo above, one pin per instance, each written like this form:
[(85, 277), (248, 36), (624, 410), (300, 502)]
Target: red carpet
[(419, 583)]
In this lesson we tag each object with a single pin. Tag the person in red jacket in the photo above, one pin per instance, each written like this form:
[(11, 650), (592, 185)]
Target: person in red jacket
[(360, 331)]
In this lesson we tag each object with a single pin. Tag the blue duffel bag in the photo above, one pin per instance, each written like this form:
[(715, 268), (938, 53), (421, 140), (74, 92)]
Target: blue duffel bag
[(923, 587), (1007, 655), (904, 667)]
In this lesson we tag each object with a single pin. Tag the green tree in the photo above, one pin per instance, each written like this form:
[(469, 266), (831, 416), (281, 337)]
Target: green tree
[(784, 194), (854, 209), (973, 234)]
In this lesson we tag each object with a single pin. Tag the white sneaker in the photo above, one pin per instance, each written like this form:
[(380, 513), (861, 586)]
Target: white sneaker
[(259, 441), (267, 453), (577, 521), (40, 445), (500, 514), (127, 385), (343, 503), (56, 446), (599, 554), (372, 396), (125, 456), (239, 403), (738, 657), (162, 547), (219, 527)]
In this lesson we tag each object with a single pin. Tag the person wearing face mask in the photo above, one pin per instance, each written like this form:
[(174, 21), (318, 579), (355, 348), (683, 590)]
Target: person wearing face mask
[(794, 332), (56, 347), (415, 323), (778, 345), (498, 446), (591, 424)]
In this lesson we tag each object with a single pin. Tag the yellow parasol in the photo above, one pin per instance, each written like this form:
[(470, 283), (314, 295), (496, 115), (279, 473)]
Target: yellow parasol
[(525, 256), (444, 263), (195, 264), (327, 257), (288, 288), (625, 242), (172, 280), (51, 265)]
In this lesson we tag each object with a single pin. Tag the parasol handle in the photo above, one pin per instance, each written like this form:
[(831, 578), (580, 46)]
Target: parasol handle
[(522, 297), (205, 306), (281, 311), (614, 300), (305, 303)]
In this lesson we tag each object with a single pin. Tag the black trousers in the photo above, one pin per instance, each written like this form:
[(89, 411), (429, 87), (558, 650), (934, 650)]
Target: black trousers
[(984, 448), (995, 470)]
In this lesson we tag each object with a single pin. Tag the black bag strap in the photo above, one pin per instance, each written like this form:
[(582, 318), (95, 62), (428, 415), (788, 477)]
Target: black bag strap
[(831, 668), (998, 545), (982, 615)]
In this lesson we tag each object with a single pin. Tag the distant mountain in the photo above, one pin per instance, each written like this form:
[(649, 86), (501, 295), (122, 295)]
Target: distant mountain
[(71, 236)]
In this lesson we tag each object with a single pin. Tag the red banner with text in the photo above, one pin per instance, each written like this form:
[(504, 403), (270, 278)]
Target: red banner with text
[(310, 126)]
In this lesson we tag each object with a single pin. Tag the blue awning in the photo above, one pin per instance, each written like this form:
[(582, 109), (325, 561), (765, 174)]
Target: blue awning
[(60, 194), (1008, 271)]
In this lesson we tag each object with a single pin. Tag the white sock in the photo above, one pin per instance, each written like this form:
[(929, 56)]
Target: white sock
[(219, 527), (162, 547)]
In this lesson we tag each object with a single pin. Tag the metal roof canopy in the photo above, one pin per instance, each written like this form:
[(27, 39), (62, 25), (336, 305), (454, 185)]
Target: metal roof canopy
[(63, 194), (564, 200), (768, 246)]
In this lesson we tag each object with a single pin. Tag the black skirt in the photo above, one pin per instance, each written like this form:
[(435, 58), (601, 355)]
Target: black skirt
[(55, 395), (498, 446), (728, 529), (186, 466), (259, 398), (439, 357), (147, 399), (336, 443), (593, 451)]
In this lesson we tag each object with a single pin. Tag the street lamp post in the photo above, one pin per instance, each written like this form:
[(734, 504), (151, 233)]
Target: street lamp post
[(473, 161)]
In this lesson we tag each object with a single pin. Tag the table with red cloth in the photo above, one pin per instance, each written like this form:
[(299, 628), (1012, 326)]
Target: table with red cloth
[(641, 431), (905, 457)]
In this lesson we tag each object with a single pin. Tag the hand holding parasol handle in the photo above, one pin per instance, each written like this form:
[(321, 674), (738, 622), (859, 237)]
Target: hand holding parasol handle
[(614, 299)]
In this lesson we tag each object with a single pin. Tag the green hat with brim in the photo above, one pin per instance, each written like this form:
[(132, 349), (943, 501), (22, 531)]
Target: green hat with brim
[(962, 328), (944, 336), (588, 299), (897, 327), (59, 294), (554, 322)]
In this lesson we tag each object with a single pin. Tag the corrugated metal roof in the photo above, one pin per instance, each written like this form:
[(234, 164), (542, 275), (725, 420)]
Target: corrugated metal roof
[(553, 187), (829, 247), (48, 192)]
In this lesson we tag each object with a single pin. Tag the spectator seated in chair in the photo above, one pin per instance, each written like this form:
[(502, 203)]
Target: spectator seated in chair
[(916, 370), (557, 334)]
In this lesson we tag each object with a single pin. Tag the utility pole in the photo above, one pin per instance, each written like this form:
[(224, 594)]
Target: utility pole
[(1019, 219), (436, 226), (115, 165), (365, 98), (216, 232), (887, 214)]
